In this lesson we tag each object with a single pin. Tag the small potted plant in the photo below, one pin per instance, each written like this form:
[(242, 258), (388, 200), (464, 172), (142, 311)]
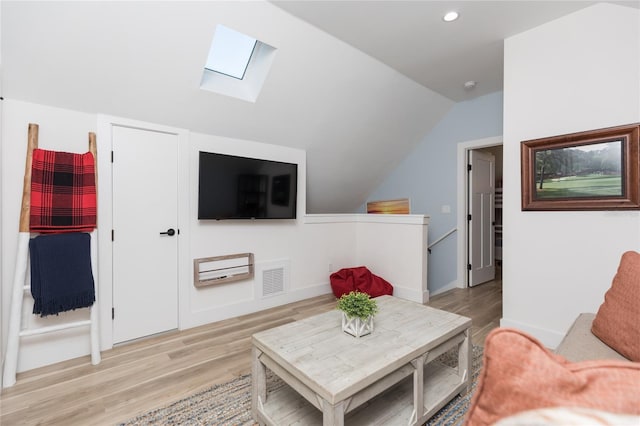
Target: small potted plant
[(358, 310)]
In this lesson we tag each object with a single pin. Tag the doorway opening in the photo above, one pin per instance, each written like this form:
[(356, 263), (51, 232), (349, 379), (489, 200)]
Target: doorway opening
[(492, 243)]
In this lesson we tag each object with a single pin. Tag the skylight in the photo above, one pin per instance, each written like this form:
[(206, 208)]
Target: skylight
[(237, 65), (230, 52)]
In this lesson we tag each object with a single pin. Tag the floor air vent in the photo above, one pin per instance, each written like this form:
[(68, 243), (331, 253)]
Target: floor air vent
[(272, 281)]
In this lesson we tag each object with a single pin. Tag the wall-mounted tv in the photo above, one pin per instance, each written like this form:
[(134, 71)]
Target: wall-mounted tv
[(231, 187)]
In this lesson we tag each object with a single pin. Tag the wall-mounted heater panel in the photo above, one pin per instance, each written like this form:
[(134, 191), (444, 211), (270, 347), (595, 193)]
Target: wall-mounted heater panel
[(222, 269)]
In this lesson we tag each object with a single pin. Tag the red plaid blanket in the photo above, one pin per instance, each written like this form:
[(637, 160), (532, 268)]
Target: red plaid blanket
[(63, 192)]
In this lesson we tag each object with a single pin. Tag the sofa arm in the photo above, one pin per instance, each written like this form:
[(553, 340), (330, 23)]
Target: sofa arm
[(580, 344)]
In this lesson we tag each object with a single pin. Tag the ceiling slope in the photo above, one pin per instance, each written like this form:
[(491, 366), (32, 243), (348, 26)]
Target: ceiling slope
[(411, 37), (355, 117)]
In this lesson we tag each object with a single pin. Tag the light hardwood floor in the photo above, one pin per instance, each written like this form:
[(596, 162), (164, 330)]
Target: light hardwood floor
[(153, 372), (483, 304)]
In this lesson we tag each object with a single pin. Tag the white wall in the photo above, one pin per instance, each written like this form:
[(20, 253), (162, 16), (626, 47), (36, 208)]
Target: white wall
[(428, 176), (305, 251), (396, 252), (1, 332), (577, 73), (391, 246), (309, 248), (144, 60)]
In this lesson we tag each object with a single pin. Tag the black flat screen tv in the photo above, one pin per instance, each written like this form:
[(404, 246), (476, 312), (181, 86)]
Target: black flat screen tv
[(231, 187)]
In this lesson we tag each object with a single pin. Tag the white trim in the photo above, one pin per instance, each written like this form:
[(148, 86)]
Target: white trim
[(219, 313), (1, 257), (410, 294), (450, 286), (461, 160), (406, 219), (105, 219)]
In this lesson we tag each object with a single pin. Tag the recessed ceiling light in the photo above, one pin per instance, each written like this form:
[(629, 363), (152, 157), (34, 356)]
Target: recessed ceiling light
[(450, 16), (470, 84)]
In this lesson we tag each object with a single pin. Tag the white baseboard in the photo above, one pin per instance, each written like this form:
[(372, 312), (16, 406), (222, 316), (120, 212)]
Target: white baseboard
[(450, 286), (410, 294), (549, 338), (220, 313)]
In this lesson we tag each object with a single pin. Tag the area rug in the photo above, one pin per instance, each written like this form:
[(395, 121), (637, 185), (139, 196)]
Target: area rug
[(229, 404)]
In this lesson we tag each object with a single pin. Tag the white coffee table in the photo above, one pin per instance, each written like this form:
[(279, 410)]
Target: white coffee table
[(387, 377)]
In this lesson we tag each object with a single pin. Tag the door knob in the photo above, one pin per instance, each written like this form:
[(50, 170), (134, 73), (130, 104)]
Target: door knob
[(170, 232)]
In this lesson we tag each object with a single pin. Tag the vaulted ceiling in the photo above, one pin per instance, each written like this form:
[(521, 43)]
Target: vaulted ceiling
[(357, 85), (411, 37)]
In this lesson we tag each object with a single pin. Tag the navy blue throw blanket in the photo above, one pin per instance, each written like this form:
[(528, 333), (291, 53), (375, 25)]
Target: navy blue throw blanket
[(61, 277)]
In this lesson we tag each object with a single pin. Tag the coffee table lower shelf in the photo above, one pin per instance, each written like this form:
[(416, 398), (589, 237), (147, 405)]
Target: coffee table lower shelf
[(394, 406)]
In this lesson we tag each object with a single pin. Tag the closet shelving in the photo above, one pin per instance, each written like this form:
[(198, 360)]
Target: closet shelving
[(498, 225)]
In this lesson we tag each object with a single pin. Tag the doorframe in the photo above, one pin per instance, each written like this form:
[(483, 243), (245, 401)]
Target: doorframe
[(104, 127), (462, 195)]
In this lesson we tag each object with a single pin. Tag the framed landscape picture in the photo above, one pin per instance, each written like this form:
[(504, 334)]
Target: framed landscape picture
[(399, 206), (592, 170)]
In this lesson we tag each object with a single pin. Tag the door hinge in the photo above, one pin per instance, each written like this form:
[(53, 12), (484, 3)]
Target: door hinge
[(112, 156), (468, 165), (113, 313), (468, 217), (113, 235), (469, 267)]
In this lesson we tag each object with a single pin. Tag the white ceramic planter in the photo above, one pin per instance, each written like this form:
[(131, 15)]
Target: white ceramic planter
[(356, 326)]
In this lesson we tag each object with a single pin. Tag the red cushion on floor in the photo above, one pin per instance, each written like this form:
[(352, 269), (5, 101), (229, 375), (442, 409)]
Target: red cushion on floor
[(359, 279)]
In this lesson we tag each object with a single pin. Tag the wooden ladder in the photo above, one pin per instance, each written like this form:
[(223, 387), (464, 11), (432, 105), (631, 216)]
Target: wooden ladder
[(19, 287)]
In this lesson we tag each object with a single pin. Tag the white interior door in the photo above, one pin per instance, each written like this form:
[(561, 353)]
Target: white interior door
[(481, 217), (145, 250)]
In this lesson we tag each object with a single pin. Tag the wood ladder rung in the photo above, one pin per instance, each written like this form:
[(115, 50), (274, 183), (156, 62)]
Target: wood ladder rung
[(43, 330)]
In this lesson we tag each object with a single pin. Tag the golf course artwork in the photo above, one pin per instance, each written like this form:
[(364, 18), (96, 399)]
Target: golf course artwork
[(592, 170)]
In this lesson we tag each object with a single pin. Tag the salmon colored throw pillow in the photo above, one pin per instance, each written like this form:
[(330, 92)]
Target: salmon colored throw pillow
[(520, 374), (617, 322)]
